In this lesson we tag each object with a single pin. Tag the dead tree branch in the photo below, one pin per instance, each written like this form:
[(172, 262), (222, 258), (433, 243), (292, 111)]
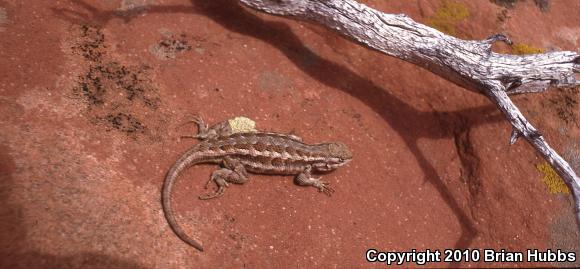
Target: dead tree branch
[(468, 63)]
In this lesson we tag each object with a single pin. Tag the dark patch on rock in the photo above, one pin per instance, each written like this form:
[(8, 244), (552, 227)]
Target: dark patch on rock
[(544, 5), (564, 103), (505, 3), (90, 44), (115, 92), (169, 47), (125, 123), (129, 81)]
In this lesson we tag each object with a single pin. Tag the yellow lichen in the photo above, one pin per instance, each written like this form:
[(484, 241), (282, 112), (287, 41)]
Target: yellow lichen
[(242, 125), (522, 48), (447, 16), (554, 182)]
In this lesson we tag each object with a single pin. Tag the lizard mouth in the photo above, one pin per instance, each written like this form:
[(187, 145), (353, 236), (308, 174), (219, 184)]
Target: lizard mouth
[(332, 166), (341, 163)]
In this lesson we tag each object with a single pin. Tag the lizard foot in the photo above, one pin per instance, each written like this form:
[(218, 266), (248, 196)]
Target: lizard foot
[(221, 190), (202, 128), (323, 187), (305, 179), (222, 178)]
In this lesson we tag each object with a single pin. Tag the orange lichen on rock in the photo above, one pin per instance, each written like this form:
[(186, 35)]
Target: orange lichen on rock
[(554, 182)]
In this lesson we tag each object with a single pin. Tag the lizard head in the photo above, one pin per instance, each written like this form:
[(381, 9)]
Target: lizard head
[(338, 155)]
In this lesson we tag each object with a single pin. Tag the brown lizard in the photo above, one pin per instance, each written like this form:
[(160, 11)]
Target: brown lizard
[(256, 152)]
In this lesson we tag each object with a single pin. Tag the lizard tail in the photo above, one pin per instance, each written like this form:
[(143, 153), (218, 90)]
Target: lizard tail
[(181, 164)]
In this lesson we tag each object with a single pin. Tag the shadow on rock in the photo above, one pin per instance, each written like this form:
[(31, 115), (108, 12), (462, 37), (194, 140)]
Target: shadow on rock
[(409, 123), (14, 250)]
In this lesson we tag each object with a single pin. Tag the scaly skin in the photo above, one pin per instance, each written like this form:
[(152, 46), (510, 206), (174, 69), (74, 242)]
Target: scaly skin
[(256, 152)]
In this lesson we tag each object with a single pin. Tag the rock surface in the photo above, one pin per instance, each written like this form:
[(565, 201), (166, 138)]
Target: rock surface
[(93, 95)]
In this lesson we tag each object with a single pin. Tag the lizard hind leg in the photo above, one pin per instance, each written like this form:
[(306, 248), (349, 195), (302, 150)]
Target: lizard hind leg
[(202, 127), (305, 179), (205, 132), (222, 177)]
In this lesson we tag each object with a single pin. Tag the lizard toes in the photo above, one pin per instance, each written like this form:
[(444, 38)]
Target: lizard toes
[(196, 118), (329, 191), (323, 187)]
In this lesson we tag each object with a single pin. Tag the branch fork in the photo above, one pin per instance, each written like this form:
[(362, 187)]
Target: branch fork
[(468, 63)]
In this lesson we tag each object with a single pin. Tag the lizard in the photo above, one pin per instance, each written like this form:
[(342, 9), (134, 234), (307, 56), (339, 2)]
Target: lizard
[(251, 151)]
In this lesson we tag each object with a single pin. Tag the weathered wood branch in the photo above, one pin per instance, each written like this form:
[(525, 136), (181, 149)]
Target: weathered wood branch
[(468, 63)]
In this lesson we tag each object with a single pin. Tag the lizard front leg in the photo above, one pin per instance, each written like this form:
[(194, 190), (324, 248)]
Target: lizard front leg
[(233, 172), (305, 179)]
